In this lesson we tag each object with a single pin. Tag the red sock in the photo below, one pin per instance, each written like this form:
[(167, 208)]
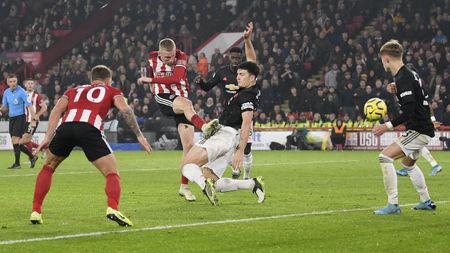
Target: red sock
[(43, 183), (29, 146), (34, 145), (112, 190), (198, 121), (184, 180)]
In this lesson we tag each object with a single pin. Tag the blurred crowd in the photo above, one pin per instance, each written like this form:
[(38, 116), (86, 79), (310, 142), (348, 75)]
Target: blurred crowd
[(28, 25), (293, 40)]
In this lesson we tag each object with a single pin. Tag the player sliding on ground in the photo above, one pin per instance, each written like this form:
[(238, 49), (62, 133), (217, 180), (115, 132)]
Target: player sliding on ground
[(416, 117), (228, 144), (225, 77), (85, 108)]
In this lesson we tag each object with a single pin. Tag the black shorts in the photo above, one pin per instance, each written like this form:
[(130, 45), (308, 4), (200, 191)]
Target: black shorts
[(81, 134), (17, 125), (165, 103), (29, 129)]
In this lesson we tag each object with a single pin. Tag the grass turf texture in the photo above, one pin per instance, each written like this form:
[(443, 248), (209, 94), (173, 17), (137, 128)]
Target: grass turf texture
[(303, 183)]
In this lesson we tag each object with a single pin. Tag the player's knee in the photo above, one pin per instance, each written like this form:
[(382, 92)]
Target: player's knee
[(384, 158), (183, 102), (248, 149), (51, 162), (408, 162)]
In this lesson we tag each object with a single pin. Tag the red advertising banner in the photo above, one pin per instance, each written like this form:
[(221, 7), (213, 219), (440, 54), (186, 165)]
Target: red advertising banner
[(34, 57)]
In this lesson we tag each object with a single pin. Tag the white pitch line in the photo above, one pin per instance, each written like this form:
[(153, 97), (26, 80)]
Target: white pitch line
[(166, 227), (173, 168)]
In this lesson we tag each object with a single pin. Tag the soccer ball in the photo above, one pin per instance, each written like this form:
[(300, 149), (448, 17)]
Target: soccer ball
[(375, 109)]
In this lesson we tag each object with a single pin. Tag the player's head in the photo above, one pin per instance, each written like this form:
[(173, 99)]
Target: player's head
[(101, 73), (246, 74), (235, 56), (391, 53), (12, 81), (29, 84), (166, 52)]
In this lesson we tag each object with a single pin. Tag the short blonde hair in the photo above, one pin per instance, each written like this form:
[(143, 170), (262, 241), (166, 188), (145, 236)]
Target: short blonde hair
[(392, 48), (167, 44)]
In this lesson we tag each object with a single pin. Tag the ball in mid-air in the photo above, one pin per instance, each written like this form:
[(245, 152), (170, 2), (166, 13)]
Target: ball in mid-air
[(375, 109)]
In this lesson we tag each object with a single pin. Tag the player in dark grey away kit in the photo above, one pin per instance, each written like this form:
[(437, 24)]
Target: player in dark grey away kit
[(225, 77), (228, 144), (416, 117)]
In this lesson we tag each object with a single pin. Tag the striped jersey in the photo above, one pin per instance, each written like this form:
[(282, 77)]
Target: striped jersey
[(90, 104), (35, 99), (169, 79)]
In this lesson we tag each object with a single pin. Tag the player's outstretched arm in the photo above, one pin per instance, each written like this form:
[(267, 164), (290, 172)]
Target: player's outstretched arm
[(407, 111), (249, 50), (128, 115), (53, 120), (247, 117), (208, 85)]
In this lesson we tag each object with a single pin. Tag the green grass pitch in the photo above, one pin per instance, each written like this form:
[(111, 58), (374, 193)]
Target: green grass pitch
[(316, 202)]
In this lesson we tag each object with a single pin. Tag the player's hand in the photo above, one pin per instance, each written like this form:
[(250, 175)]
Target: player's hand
[(248, 31), (198, 80), (379, 130), (237, 160), (391, 88), (43, 145), (145, 144), (143, 80), (436, 124), (33, 123)]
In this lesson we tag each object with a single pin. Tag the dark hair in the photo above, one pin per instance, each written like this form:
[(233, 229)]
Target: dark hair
[(100, 72), (251, 67), (236, 50)]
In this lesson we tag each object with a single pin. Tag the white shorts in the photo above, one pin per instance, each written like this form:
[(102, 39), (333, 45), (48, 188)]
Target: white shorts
[(220, 147), (412, 142)]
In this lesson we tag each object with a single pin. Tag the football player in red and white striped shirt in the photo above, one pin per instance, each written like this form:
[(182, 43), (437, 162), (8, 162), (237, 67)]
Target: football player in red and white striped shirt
[(39, 107), (85, 108), (169, 83)]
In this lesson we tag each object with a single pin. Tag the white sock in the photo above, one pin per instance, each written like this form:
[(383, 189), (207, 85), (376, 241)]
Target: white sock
[(418, 180), (427, 155), (248, 162), (194, 174), (389, 178), (228, 184)]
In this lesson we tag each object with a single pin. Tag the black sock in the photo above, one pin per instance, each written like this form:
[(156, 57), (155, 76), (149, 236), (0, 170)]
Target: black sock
[(17, 153), (26, 151)]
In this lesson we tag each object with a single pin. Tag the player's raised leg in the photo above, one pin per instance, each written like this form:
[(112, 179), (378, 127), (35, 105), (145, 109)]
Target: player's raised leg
[(182, 105)]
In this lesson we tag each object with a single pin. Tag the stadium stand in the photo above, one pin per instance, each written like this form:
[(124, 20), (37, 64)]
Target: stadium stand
[(317, 57)]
